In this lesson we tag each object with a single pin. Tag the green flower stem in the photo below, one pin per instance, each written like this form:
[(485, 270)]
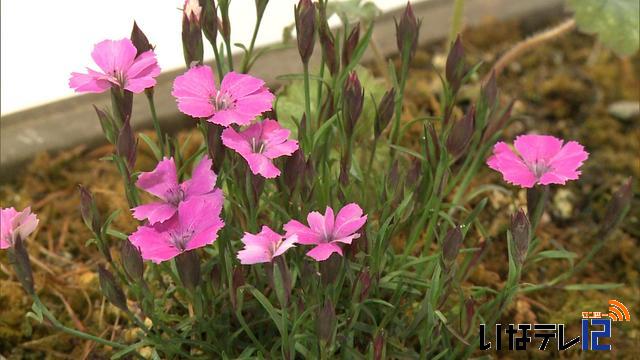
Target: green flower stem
[(395, 127), (307, 103), (73, 332), (247, 56), (156, 123), (229, 56), (218, 62)]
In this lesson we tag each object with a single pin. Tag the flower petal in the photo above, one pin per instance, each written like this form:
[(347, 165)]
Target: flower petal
[(162, 179), (153, 245), (537, 147), (236, 141), (287, 244), (114, 55), (240, 85), (348, 221), (305, 235), (193, 91), (512, 167), (203, 179), (260, 164), (323, 251), (154, 212), (566, 162), (93, 82)]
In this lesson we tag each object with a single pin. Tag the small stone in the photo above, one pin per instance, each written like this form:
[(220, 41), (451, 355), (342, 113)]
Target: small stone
[(624, 109)]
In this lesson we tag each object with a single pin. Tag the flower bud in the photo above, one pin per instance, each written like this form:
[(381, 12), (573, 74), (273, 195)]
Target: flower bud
[(305, 18), (497, 124), (89, 210), (329, 49), (126, 144), (215, 147), (215, 276), (461, 133), (378, 346), (257, 184), (455, 67), (407, 32), (413, 175), (451, 246), (350, 44), (210, 22), (123, 103), (470, 312), (139, 40), (385, 112), (363, 284), (353, 101), (111, 290), (225, 26), (537, 196), (261, 6), (520, 232), (294, 169), (326, 321), (19, 258), (432, 138), (188, 265), (131, 260), (191, 33), (237, 280), (490, 91), (107, 124), (618, 207), (282, 281)]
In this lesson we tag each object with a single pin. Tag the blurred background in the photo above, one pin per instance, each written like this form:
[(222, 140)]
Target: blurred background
[(43, 41)]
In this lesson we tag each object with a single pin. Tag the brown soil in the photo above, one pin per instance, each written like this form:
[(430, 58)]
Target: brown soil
[(563, 89)]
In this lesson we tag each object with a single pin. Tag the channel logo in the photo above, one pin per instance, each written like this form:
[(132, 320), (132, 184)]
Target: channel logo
[(595, 326)]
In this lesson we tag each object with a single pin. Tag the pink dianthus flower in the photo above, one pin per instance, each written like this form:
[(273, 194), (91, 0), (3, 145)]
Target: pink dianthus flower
[(120, 67), (540, 159), (259, 144), (14, 224), (264, 246), (163, 183), (195, 225), (240, 99), (326, 231)]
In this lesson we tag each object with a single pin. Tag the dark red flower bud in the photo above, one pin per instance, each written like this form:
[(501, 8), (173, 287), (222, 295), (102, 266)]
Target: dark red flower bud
[(139, 40), (498, 123), (363, 284), (237, 280), (350, 44), (326, 322), (127, 144), (188, 265), (520, 232), (225, 26), (89, 210), (470, 312), (305, 17), (111, 290), (618, 207), (378, 346), (261, 6), (432, 141), (413, 176), (385, 112), (353, 101), (210, 22), (294, 169), (455, 66), (107, 124), (329, 50), (192, 37), (257, 184), (19, 258), (131, 260), (215, 147), (490, 91), (407, 32), (461, 133), (123, 103), (451, 246)]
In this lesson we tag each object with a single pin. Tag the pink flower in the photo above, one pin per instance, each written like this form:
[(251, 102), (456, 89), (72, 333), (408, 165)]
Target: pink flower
[(540, 159), (195, 225), (241, 97), (259, 144), (163, 183), (120, 67), (264, 246), (14, 224), (326, 231)]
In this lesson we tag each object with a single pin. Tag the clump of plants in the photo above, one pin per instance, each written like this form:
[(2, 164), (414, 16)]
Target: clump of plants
[(273, 239)]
